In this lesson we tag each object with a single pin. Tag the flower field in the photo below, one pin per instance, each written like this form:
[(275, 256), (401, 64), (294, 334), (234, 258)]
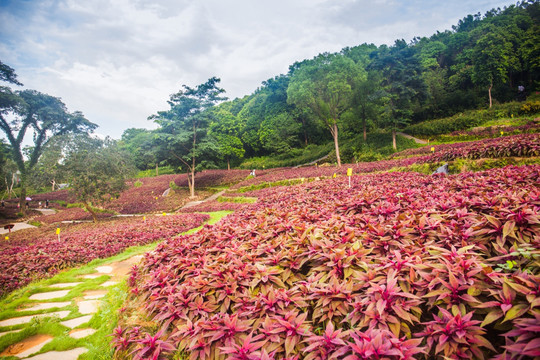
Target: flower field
[(522, 145), (397, 266), (515, 145), (37, 253)]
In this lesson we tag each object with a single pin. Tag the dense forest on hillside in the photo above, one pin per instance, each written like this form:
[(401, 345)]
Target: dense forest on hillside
[(341, 105), (483, 61)]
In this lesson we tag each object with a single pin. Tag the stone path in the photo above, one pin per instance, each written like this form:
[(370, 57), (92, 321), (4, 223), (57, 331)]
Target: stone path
[(24, 225), (87, 306), (213, 197)]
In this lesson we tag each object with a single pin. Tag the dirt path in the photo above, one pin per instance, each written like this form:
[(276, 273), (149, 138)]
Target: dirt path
[(416, 140)]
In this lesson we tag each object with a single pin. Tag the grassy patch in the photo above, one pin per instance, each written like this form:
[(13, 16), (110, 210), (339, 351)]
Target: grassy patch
[(237, 199)]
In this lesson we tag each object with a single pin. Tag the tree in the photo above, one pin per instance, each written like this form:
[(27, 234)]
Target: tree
[(7, 74), (326, 85), (43, 115), (402, 83), (183, 128), (143, 147), (96, 171), (226, 130), (492, 58), (47, 171)]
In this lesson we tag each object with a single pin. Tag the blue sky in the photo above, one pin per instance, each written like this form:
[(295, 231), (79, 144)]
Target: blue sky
[(118, 61)]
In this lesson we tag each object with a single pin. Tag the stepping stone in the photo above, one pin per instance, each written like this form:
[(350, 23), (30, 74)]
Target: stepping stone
[(109, 283), (94, 294), (88, 306), (104, 269), (72, 354), (91, 276), (81, 333), (77, 321), (93, 297), (65, 285), (49, 295), (26, 319), (28, 346), (44, 306)]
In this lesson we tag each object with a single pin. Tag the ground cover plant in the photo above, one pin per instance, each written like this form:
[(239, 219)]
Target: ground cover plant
[(40, 253), (505, 146), (396, 266), (532, 126), (70, 214), (522, 145)]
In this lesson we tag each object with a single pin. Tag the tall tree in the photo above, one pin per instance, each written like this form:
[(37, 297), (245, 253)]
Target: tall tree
[(183, 128), (402, 83), (326, 85), (96, 171), (43, 115), (492, 58), (226, 129)]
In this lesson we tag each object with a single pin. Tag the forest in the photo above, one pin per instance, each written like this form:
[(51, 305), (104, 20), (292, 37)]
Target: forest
[(340, 97), (349, 105)]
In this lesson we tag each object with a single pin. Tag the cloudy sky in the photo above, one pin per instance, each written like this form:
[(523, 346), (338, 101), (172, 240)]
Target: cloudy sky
[(118, 61)]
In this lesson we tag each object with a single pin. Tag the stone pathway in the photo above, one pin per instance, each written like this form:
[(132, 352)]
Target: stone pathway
[(87, 306), (213, 197), (24, 225)]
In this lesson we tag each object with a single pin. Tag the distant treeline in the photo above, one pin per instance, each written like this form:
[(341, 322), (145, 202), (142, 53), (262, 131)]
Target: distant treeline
[(487, 59)]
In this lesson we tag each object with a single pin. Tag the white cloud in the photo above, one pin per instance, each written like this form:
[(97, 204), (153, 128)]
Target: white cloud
[(118, 60)]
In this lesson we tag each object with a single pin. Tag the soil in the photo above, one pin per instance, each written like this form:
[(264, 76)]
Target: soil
[(25, 344)]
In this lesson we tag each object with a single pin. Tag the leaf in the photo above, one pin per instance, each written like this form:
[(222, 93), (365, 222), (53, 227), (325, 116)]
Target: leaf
[(492, 316), (508, 228), (515, 311)]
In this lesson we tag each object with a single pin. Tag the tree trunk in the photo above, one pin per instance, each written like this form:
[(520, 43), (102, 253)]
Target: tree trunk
[(489, 92), (191, 183), (336, 143), (364, 123), (22, 198), (394, 144), (157, 170), (53, 182), (228, 164), (89, 208)]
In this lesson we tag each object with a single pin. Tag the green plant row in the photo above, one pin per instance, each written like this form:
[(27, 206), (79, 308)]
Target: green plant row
[(473, 118)]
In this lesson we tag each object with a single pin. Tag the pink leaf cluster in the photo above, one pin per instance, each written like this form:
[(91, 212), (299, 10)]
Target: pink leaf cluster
[(25, 259), (397, 266)]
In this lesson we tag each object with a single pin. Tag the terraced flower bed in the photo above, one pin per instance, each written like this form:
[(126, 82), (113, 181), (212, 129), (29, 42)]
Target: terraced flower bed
[(397, 266), (40, 253), (515, 145)]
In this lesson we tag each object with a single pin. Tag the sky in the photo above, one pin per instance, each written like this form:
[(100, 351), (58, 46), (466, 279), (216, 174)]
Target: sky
[(118, 61)]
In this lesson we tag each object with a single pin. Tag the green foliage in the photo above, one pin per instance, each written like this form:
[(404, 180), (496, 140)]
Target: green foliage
[(237, 199), (326, 86), (294, 157), (472, 118), (97, 171), (162, 170), (137, 183)]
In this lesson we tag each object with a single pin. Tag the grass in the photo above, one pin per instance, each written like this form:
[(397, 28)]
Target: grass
[(104, 321), (237, 199)]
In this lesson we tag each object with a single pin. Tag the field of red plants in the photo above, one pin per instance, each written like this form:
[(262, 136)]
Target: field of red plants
[(522, 145), (397, 266), (35, 254), (516, 145)]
